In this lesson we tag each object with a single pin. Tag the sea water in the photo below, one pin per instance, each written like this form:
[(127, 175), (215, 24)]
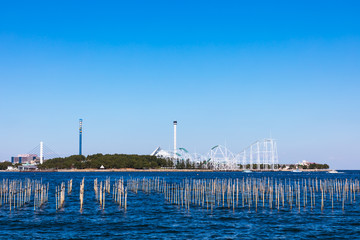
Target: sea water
[(149, 216)]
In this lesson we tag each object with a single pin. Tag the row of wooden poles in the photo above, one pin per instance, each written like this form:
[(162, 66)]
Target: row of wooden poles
[(15, 194), (60, 196), (119, 192), (250, 193), (60, 193), (253, 193)]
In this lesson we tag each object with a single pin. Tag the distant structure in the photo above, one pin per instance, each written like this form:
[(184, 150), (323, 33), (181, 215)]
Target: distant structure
[(158, 152), (24, 158), (27, 167), (38, 155), (80, 136), (261, 155), (175, 123), (41, 152)]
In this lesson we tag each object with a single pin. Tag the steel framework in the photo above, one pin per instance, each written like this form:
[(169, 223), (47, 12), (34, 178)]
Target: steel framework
[(261, 154)]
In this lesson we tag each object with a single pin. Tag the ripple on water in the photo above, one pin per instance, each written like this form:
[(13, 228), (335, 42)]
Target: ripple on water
[(149, 217)]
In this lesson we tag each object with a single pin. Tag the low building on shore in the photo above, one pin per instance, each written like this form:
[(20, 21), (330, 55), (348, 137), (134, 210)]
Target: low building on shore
[(28, 167), (305, 163), (11, 168)]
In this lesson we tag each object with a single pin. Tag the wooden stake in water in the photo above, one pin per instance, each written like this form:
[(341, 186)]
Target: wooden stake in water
[(82, 184)]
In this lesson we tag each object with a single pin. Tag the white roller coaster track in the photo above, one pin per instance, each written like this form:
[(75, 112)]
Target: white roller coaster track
[(261, 154)]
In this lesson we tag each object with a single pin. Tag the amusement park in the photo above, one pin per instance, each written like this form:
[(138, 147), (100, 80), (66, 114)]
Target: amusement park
[(260, 155)]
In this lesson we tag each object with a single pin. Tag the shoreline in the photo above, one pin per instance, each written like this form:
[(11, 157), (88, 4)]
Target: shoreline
[(163, 170)]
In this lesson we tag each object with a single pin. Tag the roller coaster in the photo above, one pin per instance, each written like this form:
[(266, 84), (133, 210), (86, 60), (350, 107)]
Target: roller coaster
[(260, 155)]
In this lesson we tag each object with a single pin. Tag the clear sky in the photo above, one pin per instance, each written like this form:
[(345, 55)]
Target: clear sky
[(228, 71)]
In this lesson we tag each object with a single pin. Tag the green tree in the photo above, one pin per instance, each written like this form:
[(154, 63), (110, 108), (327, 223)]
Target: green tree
[(4, 165)]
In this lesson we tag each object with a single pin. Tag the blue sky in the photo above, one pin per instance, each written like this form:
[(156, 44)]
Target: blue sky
[(228, 71)]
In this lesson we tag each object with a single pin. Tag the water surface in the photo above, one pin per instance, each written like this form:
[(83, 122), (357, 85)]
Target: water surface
[(149, 216)]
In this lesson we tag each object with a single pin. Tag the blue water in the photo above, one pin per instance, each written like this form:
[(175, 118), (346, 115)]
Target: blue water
[(149, 216)]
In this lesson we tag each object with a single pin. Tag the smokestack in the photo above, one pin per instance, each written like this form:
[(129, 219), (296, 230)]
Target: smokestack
[(41, 153), (175, 123), (80, 136)]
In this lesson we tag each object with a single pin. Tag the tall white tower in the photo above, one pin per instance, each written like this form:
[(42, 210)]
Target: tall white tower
[(41, 153), (175, 123)]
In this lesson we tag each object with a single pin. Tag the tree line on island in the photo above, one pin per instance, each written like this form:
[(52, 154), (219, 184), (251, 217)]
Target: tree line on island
[(107, 160), (117, 161)]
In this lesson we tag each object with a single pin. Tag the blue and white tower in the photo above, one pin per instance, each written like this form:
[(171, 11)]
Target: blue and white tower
[(80, 137)]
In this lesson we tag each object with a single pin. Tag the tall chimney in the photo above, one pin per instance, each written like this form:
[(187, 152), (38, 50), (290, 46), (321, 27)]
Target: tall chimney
[(175, 123)]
